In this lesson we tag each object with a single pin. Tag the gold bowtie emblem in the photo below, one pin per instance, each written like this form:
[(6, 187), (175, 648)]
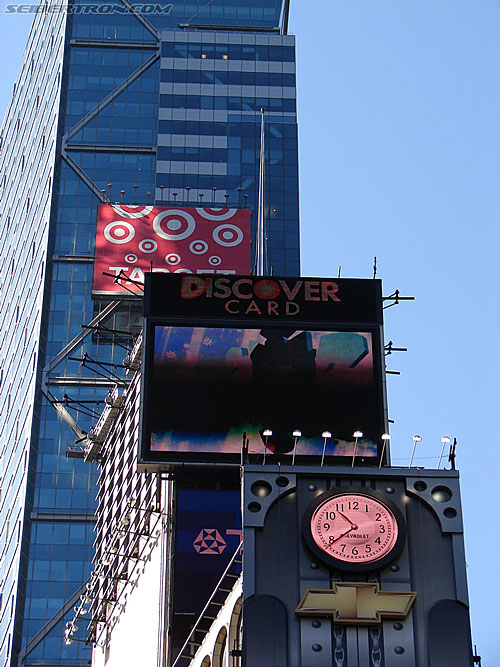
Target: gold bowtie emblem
[(356, 603)]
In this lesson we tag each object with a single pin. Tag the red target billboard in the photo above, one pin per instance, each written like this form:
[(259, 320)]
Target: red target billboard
[(132, 240)]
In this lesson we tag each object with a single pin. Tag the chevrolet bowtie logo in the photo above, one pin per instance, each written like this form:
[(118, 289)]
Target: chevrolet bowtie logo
[(356, 603)]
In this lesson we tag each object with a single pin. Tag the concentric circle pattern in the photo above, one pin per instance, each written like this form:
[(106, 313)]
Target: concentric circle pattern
[(172, 239), (148, 245), (227, 235), (119, 232), (198, 247), (174, 224), (173, 258)]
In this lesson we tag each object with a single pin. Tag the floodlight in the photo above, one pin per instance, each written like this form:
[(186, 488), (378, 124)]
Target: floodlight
[(296, 434), (444, 441), (325, 435), (416, 438), (266, 433), (356, 435), (385, 439)]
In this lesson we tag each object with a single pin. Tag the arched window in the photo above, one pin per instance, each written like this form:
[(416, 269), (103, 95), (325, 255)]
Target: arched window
[(220, 649), (235, 632)]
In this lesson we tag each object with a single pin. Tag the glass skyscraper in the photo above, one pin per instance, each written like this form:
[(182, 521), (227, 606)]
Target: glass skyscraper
[(159, 104)]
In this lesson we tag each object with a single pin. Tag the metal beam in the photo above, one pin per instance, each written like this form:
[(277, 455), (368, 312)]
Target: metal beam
[(112, 95), (80, 337), (114, 44), (150, 28), (116, 148), (50, 625), (69, 381), (83, 176), (64, 414)]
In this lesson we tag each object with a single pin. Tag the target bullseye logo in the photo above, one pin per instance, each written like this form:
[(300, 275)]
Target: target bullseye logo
[(131, 258), (148, 245), (173, 258), (198, 247), (119, 232), (227, 235), (215, 260), (179, 224), (216, 214)]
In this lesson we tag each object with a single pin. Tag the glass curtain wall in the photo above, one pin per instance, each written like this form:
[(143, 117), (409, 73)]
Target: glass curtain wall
[(28, 139), (132, 102)]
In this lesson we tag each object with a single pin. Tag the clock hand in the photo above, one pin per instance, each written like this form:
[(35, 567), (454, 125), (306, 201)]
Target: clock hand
[(343, 535), (353, 525)]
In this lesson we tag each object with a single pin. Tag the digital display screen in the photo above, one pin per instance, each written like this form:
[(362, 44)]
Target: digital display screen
[(206, 389)]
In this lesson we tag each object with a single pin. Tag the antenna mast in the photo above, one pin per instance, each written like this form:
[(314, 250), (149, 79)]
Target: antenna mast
[(261, 240)]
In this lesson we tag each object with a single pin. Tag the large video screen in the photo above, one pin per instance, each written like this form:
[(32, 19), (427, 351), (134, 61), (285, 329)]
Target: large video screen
[(208, 388)]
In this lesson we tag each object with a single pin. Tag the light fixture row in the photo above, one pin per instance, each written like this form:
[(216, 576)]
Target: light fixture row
[(385, 437)]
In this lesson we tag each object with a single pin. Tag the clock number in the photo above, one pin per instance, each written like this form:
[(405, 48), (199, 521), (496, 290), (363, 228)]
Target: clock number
[(341, 507), (331, 539), (355, 505), (330, 515), (382, 529), (366, 508), (326, 526), (368, 548), (378, 515), (377, 540), (343, 547), (354, 551)]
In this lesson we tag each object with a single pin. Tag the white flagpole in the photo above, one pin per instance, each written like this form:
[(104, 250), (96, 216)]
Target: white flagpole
[(260, 246)]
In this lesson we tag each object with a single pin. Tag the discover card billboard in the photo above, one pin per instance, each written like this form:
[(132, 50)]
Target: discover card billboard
[(212, 374)]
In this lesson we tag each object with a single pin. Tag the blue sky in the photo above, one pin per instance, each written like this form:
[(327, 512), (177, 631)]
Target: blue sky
[(400, 158)]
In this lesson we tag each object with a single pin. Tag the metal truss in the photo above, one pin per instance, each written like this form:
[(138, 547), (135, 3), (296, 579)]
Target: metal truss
[(112, 95), (48, 380), (137, 528), (65, 146)]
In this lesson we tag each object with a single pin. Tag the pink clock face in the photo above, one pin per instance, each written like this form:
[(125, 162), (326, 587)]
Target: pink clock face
[(354, 528)]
